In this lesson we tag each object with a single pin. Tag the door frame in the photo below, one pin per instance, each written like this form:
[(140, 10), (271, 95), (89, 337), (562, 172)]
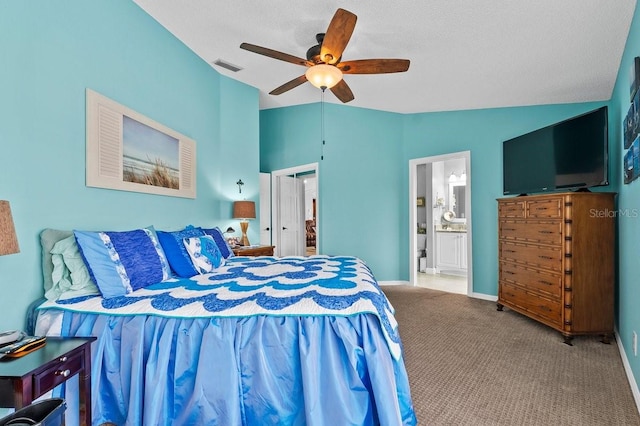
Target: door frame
[(275, 201), (413, 226)]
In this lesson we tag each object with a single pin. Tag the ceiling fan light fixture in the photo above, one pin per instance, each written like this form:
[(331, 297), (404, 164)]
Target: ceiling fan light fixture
[(323, 76)]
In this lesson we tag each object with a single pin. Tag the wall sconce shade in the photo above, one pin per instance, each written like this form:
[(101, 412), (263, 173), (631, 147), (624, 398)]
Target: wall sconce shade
[(323, 76), (244, 210), (8, 238)]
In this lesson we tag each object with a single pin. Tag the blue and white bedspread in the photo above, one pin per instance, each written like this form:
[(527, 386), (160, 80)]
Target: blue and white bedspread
[(261, 341), (244, 286)]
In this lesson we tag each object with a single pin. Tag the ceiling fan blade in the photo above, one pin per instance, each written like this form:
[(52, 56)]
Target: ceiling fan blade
[(337, 36), (289, 85), (343, 92), (374, 66), (275, 54)]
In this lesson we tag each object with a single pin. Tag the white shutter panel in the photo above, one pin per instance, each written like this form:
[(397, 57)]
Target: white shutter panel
[(109, 134), (187, 169)]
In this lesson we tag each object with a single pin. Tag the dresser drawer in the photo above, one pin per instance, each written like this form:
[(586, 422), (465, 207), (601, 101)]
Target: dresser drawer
[(547, 309), (541, 232), (511, 209), (539, 256), (57, 372), (545, 208), (532, 279)]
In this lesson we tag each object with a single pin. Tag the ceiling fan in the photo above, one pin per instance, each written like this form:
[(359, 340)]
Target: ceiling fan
[(325, 68)]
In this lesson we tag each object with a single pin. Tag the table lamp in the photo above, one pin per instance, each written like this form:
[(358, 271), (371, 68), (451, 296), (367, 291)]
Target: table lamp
[(244, 210), (8, 238)]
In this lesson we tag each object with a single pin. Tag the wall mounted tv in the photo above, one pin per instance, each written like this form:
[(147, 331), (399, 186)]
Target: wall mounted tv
[(569, 155)]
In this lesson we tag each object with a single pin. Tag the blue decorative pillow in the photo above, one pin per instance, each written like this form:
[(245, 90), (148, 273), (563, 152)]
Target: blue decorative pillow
[(176, 252), (204, 253), (218, 237), (121, 262)]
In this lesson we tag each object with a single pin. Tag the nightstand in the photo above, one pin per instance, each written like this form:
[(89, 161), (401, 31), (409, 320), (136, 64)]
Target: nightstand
[(253, 251), (26, 378)]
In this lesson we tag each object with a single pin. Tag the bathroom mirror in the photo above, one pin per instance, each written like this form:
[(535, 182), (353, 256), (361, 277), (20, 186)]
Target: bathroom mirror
[(457, 199)]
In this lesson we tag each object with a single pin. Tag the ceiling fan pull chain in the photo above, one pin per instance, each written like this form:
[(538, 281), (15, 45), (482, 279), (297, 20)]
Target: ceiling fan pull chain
[(322, 124)]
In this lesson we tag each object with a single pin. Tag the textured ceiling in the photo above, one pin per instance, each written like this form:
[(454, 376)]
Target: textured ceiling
[(465, 54)]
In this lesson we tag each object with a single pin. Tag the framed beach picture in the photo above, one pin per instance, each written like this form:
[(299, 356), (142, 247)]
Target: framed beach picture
[(130, 152)]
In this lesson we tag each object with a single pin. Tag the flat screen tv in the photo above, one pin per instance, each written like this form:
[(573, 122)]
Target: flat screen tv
[(569, 155)]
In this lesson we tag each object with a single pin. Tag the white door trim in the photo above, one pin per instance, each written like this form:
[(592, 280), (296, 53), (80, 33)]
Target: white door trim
[(413, 226), (275, 201)]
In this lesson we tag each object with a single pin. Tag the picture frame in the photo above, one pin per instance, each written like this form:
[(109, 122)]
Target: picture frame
[(631, 162), (420, 202), (628, 126), (634, 77), (128, 151), (628, 166), (631, 126)]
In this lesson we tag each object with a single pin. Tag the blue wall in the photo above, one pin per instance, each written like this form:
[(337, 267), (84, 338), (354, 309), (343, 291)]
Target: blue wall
[(628, 296), (360, 182), (50, 53)]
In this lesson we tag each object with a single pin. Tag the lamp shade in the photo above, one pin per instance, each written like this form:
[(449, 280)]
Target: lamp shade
[(323, 75), (244, 210), (8, 239)]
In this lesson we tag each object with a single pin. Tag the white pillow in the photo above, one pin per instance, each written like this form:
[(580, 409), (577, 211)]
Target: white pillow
[(204, 252)]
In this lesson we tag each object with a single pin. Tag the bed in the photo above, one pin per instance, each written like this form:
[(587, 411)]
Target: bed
[(264, 340)]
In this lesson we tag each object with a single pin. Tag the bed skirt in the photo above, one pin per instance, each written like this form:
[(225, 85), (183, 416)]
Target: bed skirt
[(263, 370)]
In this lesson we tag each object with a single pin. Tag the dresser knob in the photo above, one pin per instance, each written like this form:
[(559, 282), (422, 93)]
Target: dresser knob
[(63, 359), (63, 373)]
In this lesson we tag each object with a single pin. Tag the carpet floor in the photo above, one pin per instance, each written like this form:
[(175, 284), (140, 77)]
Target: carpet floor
[(469, 364)]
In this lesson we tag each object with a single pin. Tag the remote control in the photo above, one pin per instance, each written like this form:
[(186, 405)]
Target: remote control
[(23, 346)]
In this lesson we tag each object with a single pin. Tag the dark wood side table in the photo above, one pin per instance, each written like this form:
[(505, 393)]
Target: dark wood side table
[(253, 251), (26, 378)]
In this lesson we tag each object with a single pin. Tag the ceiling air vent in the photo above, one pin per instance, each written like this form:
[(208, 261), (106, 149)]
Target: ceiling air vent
[(226, 65)]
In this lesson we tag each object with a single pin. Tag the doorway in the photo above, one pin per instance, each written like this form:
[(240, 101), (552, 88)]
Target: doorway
[(295, 208), (440, 222)]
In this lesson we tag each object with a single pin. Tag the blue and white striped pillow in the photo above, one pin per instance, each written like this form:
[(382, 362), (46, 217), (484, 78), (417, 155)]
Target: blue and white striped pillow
[(121, 262)]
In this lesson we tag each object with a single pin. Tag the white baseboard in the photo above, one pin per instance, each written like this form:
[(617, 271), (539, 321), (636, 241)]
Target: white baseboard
[(484, 297), (627, 369), (481, 296), (393, 283)]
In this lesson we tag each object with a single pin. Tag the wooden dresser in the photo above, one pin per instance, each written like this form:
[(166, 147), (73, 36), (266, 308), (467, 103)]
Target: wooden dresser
[(556, 260)]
